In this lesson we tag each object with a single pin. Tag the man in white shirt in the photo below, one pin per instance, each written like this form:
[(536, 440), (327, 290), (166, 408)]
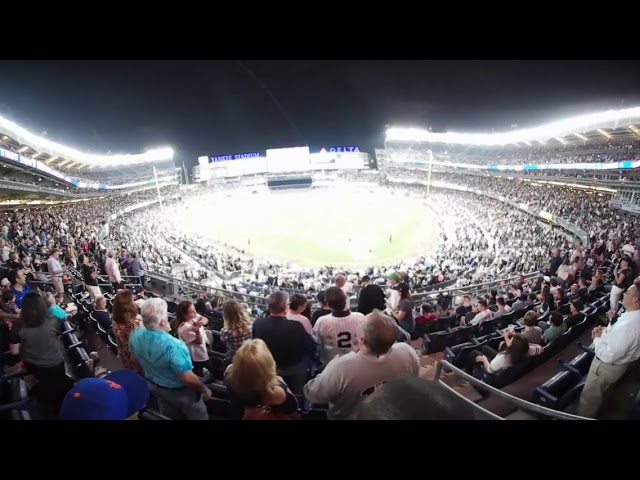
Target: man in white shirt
[(348, 379), (112, 270), (338, 332), (392, 293), (628, 248), (616, 347), (56, 272), (483, 313)]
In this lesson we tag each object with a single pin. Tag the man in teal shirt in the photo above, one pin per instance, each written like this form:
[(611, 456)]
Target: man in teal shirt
[(167, 365)]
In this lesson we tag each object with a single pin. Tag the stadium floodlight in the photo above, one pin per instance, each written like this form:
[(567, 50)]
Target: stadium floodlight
[(38, 143), (581, 124)]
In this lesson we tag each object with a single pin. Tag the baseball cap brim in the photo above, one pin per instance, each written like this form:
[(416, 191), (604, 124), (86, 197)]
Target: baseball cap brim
[(135, 386)]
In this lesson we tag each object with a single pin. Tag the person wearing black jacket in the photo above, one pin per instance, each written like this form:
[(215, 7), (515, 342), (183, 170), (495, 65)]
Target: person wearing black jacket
[(292, 347), (322, 311), (371, 297)]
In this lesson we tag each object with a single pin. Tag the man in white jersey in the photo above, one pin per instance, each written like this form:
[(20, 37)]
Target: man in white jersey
[(616, 347), (348, 379), (392, 293), (56, 271), (346, 287), (338, 332)]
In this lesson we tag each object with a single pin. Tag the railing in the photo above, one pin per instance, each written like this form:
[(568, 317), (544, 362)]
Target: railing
[(518, 402), (477, 290), (179, 289)]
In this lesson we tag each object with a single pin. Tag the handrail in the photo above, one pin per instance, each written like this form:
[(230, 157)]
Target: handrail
[(520, 403)]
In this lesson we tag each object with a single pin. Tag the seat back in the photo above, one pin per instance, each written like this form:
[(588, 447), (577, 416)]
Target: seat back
[(582, 362), (437, 342)]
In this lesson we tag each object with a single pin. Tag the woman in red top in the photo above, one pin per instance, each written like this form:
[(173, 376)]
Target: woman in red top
[(423, 320)]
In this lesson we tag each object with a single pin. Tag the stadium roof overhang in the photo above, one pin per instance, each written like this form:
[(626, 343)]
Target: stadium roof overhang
[(65, 158), (612, 125)]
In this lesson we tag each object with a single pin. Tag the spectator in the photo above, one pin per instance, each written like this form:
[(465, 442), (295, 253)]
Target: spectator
[(101, 314), (34, 337), (404, 313), (414, 398), (616, 347), (125, 321), (53, 309), (120, 395), (255, 386), (552, 329), (237, 327), (338, 332), (297, 305), (291, 346), (346, 380), (322, 311), (371, 296), (189, 327), (19, 287), (167, 365)]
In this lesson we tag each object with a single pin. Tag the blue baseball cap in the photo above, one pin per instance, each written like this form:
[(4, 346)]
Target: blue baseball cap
[(117, 396)]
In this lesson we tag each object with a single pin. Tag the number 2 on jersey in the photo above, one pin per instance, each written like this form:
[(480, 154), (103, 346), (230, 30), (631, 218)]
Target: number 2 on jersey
[(344, 340)]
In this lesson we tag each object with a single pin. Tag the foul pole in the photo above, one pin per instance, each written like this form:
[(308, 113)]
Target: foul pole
[(429, 175), (155, 174)]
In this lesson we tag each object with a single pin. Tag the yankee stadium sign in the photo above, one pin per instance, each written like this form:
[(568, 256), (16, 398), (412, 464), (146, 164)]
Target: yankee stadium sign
[(341, 149), (236, 156)]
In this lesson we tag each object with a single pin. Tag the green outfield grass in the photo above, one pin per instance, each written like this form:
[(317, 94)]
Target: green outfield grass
[(316, 227)]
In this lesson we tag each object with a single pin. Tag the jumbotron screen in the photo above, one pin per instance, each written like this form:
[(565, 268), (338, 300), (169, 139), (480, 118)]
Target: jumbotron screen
[(288, 159)]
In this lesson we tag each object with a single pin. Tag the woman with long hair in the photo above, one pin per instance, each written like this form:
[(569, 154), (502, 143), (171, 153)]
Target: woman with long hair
[(623, 279), (34, 337), (516, 352), (189, 326), (548, 303), (125, 320), (254, 384), (237, 327), (404, 312)]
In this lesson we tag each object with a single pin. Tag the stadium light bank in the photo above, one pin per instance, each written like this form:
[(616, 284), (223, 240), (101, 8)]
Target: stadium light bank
[(45, 145), (569, 126)]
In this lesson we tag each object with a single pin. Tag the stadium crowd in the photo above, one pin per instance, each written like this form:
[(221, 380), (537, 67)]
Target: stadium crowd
[(585, 209), (269, 366), (577, 153)]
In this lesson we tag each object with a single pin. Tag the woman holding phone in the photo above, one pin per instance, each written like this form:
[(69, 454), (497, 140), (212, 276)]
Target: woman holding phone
[(189, 326)]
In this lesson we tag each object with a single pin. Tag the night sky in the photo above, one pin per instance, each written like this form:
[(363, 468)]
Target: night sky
[(225, 107)]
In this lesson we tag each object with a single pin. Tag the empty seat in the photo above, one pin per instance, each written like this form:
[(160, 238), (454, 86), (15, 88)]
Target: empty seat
[(551, 394), (457, 355), (438, 341), (81, 362), (582, 362)]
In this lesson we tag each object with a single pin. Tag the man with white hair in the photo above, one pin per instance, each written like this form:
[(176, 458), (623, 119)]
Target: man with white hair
[(348, 379), (167, 365)]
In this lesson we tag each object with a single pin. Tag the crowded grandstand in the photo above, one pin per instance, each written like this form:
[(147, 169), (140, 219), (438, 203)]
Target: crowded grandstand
[(445, 276)]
